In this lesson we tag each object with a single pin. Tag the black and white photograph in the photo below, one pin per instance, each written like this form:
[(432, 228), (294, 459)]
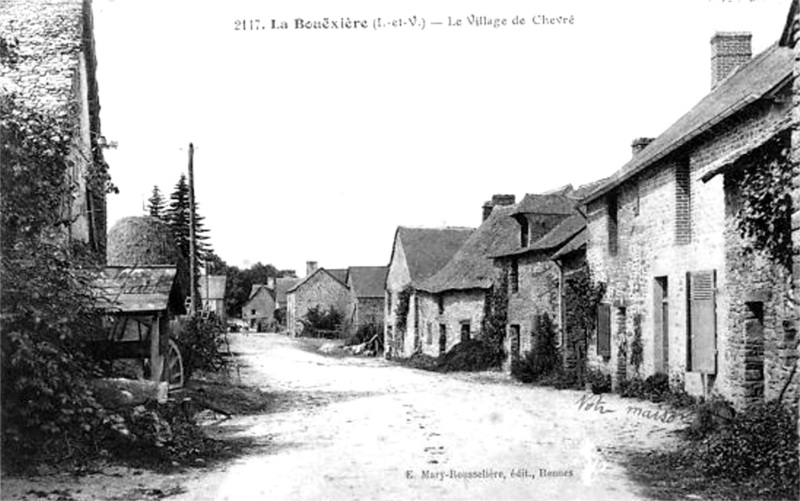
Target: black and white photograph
[(352, 250)]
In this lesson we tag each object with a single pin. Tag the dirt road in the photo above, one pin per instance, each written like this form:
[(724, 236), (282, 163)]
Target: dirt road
[(360, 428)]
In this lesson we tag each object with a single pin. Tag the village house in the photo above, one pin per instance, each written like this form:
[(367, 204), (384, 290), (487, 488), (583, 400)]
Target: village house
[(663, 235), (212, 294), (534, 281), (451, 305), (48, 65), (367, 298), (259, 310), (281, 285), (417, 254), (321, 288)]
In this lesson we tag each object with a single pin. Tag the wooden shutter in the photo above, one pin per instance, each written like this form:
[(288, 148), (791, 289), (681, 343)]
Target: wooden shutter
[(604, 330), (702, 321)]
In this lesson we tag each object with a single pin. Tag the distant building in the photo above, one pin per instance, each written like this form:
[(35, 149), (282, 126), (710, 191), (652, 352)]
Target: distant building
[(259, 309), (366, 284), (417, 254), (212, 294), (320, 288)]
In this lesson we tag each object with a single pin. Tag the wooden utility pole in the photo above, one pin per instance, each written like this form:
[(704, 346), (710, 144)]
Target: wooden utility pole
[(192, 253)]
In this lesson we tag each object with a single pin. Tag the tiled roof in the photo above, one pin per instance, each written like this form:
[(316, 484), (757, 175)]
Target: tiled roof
[(427, 250), (305, 279), (747, 85), (545, 204), (555, 238), (135, 289), (339, 274), (577, 242), (471, 267), (368, 281)]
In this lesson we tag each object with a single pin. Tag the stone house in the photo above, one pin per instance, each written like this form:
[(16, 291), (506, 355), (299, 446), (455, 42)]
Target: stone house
[(417, 254), (367, 297), (259, 310), (320, 288), (281, 285), (48, 65), (544, 224), (451, 305), (663, 236), (212, 294)]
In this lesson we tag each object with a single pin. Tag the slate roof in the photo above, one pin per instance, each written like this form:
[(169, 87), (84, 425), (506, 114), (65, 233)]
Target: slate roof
[(282, 285), (556, 237), (577, 242), (256, 288), (368, 281), (747, 85), (135, 289), (471, 267), (427, 250), (545, 204), (340, 272), (216, 286)]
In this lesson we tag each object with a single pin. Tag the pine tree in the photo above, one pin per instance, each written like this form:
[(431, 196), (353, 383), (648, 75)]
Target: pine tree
[(177, 218), (156, 204)]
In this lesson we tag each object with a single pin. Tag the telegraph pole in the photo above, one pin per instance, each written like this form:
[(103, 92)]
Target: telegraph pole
[(192, 253)]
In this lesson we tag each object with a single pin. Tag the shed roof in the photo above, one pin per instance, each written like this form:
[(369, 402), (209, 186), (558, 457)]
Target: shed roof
[(750, 83), (216, 286), (135, 289), (368, 281), (427, 250), (471, 267)]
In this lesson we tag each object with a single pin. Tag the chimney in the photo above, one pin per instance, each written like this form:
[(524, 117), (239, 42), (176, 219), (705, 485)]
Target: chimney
[(497, 200), (639, 144), (729, 50), (311, 267)]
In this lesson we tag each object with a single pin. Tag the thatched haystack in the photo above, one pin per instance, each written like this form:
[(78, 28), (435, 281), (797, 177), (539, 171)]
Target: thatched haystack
[(141, 240)]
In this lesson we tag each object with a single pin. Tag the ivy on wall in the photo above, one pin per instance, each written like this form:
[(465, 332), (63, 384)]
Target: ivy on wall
[(582, 295), (495, 317), (765, 185), (401, 312)]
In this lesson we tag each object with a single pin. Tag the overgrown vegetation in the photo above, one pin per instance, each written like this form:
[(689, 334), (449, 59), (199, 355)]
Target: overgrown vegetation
[(765, 186), (47, 309), (471, 355), (750, 456), (582, 296), (495, 318), (402, 309), (656, 388), (203, 344), (544, 358), (318, 321)]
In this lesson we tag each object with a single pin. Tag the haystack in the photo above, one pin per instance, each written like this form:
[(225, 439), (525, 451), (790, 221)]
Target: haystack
[(141, 240)]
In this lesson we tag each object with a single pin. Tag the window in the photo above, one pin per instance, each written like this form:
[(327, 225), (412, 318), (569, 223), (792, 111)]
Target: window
[(253, 312), (683, 204), (514, 334), (442, 339), (523, 231), (604, 330), (513, 278), (429, 334), (440, 302), (613, 224), (702, 335), (465, 332)]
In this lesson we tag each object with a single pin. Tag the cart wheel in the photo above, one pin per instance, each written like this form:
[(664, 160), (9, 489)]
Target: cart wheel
[(173, 367)]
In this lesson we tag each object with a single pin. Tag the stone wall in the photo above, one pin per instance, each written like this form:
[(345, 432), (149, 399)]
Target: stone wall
[(369, 311), (264, 307), (649, 246), (398, 278), (460, 307), (319, 290)]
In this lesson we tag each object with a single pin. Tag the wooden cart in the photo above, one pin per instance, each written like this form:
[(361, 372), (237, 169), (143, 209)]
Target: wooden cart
[(142, 304)]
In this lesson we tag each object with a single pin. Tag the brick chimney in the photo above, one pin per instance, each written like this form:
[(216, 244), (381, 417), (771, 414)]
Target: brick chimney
[(639, 144), (729, 50), (311, 267), (497, 200)]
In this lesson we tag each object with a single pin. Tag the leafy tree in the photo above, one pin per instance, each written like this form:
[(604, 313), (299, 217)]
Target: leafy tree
[(156, 204)]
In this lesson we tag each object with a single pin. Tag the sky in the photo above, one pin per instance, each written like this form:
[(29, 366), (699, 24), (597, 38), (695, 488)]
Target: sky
[(315, 144)]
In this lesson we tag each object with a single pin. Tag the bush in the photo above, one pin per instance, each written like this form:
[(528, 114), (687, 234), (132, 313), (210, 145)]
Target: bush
[(560, 379), (760, 442), (202, 342), (470, 355), (317, 319), (599, 382)]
